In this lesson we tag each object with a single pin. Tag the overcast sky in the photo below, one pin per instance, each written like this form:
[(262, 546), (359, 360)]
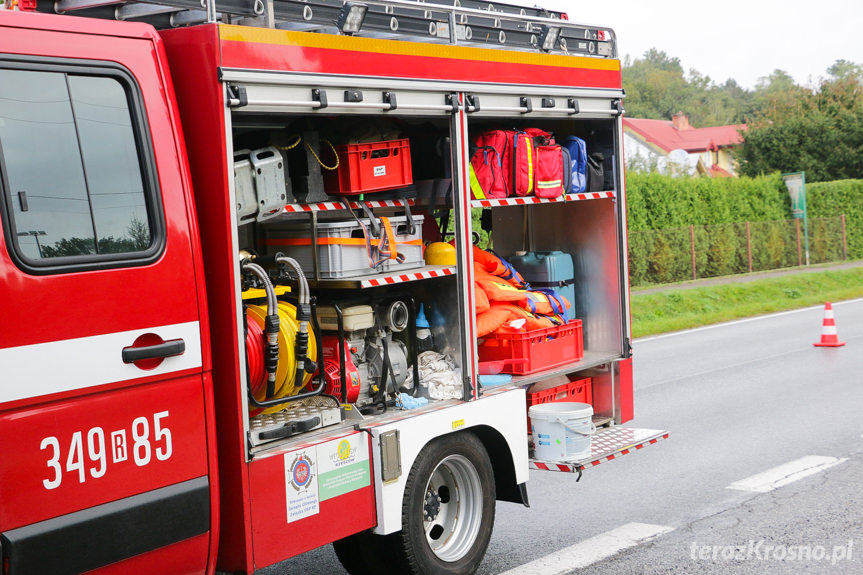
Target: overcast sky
[(740, 39)]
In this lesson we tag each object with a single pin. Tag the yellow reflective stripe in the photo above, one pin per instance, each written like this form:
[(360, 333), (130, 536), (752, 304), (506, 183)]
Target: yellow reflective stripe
[(529, 165), (548, 184), (235, 33), (478, 193)]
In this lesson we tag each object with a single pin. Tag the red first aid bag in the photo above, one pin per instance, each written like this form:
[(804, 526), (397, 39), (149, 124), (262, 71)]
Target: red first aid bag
[(550, 171), (487, 161)]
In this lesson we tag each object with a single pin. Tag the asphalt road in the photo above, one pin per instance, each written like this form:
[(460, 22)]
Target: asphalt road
[(739, 399)]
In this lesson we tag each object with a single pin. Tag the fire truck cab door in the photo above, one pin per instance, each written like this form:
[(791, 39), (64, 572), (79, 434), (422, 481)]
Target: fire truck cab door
[(102, 379)]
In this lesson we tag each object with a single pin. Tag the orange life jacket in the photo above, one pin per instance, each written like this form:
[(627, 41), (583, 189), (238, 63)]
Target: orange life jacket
[(491, 320), (498, 289), (490, 263), (532, 321), (480, 299), (547, 302)]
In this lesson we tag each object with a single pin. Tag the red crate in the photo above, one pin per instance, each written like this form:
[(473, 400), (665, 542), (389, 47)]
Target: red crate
[(371, 167), (542, 348), (577, 390)]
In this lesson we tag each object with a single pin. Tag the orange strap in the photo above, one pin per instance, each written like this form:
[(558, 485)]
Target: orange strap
[(391, 239), (330, 242)]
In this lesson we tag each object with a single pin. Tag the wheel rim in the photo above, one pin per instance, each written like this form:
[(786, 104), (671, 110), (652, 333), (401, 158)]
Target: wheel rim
[(452, 508)]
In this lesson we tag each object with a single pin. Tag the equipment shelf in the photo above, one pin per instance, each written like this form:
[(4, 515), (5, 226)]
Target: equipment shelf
[(529, 200), (606, 444), (377, 280)]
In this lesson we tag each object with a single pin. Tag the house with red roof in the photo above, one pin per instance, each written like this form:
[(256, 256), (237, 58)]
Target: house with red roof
[(676, 147)]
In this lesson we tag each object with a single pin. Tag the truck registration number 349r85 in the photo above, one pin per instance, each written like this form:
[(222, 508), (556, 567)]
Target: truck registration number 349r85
[(90, 453)]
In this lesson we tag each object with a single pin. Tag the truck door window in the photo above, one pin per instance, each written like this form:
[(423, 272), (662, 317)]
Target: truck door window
[(72, 169)]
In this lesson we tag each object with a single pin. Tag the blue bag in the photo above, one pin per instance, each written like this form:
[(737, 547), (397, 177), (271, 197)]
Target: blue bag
[(567, 172), (578, 160)]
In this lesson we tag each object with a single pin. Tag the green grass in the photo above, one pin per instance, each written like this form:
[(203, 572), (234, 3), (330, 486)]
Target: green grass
[(673, 310)]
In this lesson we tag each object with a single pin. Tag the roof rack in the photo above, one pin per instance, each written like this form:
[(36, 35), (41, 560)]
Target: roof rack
[(471, 22)]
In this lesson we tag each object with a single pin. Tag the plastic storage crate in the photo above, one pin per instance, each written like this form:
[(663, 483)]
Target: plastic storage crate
[(342, 250), (370, 167), (577, 390), (542, 348)]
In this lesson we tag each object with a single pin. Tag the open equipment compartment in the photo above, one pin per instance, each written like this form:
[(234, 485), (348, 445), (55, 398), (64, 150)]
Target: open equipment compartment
[(334, 237), (588, 226)]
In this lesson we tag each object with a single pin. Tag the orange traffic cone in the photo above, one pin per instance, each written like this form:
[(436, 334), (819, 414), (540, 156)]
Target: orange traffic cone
[(829, 338)]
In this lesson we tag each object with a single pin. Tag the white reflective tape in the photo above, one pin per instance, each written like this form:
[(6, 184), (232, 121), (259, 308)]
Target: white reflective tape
[(65, 365), (829, 330)]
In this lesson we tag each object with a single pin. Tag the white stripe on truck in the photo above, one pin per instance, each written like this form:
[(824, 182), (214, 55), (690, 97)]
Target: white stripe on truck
[(57, 366)]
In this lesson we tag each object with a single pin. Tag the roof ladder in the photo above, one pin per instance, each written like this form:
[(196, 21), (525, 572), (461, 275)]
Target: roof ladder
[(472, 22)]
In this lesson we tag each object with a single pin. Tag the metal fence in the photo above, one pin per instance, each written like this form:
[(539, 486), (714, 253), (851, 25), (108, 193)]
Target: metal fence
[(678, 254)]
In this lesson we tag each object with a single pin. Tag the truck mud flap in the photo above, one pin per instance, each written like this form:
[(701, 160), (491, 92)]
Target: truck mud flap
[(607, 444), (95, 537)]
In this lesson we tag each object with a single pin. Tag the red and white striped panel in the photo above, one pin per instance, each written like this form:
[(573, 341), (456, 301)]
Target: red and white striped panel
[(401, 278), (325, 206), (528, 200), (589, 196), (606, 445)]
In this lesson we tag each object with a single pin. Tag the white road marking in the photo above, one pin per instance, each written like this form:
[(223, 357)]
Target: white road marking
[(591, 550), (786, 473), (738, 321)]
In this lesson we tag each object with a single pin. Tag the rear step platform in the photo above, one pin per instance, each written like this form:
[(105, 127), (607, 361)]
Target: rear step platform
[(607, 443)]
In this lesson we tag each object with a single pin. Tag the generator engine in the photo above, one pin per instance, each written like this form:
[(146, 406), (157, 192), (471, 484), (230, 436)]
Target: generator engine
[(372, 358)]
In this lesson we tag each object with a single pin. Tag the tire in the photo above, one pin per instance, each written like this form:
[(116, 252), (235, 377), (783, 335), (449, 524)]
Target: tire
[(448, 508)]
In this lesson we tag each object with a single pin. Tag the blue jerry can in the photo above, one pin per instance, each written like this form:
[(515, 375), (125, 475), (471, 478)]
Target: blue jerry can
[(548, 270)]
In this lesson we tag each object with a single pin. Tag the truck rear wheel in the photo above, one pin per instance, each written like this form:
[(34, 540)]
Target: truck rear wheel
[(448, 508)]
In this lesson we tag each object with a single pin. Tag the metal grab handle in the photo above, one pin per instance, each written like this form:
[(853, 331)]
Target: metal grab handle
[(168, 348)]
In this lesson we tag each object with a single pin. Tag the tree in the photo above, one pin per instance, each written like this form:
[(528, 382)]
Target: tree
[(845, 70), (816, 130), (657, 88)]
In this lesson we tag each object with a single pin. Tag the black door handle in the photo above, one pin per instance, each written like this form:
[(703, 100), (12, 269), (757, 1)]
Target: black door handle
[(168, 348)]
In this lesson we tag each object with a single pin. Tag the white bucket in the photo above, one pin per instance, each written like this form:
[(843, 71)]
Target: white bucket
[(561, 431)]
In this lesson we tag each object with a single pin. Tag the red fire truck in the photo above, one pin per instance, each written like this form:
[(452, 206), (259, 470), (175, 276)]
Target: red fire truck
[(216, 296)]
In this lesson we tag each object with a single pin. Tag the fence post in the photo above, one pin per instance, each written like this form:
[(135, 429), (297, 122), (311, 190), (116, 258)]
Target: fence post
[(692, 249), (799, 248), (844, 240), (749, 247)]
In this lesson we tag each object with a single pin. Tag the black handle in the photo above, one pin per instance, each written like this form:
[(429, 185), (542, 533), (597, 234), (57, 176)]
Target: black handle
[(291, 428), (165, 349)]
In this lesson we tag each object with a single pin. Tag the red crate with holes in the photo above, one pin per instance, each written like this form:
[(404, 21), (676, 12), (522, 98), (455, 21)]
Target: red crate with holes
[(541, 348), (370, 167), (576, 390)]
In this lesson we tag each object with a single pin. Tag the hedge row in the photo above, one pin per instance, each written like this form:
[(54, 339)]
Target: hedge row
[(657, 202), (660, 210), (665, 256), (826, 199)]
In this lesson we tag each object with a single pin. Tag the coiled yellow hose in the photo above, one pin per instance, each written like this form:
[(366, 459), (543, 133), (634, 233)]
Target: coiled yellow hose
[(287, 367)]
